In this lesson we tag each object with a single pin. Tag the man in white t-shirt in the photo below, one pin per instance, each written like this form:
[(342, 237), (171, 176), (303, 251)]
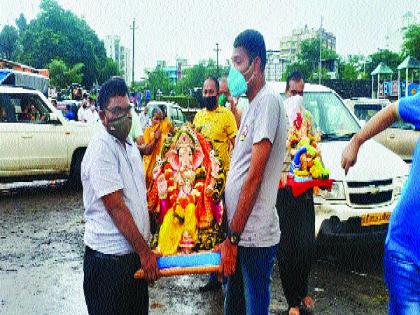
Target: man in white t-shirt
[(249, 252)]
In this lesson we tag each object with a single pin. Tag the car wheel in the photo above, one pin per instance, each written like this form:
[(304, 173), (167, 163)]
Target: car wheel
[(75, 181)]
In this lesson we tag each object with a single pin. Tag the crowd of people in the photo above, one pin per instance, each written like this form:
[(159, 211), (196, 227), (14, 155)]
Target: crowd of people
[(262, 221)]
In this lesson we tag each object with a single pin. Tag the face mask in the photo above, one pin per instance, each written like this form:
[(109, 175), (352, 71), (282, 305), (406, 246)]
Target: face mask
[(222, 100), (120, 127), (210, 102), (236, 81), (293, 105)]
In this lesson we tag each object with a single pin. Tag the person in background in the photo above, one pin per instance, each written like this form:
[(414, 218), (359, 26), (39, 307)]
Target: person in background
[(249, 252), (117, 227), (83, 109), (144, 119), (69, 113), (54, 102), (297, 221), (402, 243), (217, 124), (155, 136), (225, 97)]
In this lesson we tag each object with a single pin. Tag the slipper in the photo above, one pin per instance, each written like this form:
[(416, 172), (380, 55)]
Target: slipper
[(308, 303)]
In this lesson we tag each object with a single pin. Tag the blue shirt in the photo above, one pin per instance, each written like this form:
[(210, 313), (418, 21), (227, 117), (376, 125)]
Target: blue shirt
[(404, 227), (70, 115)]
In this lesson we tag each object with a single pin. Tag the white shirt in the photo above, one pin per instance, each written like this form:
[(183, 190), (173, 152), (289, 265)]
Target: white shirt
[(88, 114), (107, 167)]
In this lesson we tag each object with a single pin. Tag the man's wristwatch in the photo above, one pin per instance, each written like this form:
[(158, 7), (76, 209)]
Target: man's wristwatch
[(234, 237)]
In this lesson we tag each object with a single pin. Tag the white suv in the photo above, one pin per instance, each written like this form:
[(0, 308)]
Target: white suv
[(359, 204), (36, 141)]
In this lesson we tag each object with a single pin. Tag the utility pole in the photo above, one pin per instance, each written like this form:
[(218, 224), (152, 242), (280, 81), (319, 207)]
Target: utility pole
[(320, 49), (217, 58), (133, 28)]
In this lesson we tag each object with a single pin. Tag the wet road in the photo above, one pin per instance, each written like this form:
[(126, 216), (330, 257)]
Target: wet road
[(41, 271)]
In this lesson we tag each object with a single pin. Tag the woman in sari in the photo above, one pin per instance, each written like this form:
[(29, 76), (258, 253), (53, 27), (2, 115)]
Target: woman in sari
[(158, 132)]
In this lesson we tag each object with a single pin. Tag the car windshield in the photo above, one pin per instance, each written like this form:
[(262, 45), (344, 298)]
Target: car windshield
[(331, 116)]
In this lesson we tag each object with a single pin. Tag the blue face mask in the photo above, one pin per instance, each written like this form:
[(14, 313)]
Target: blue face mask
[(236, 81)]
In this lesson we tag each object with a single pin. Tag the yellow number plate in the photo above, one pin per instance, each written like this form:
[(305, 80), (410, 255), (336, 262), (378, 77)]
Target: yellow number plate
[(375, 218)]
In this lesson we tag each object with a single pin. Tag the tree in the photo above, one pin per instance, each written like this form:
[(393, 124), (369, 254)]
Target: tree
[(56, 33), (8, 41), (390, 58), (158, 79), (21, 23), (411, 44), (308, 59), (61, 76), (109, 69)]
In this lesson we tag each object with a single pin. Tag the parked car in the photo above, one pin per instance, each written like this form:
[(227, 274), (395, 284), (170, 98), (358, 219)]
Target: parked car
[(358, 207), (172, 110), (38, 143), (401, 137)]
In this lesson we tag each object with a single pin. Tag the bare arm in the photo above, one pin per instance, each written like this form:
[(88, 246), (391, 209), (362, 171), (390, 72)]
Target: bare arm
[(147, 148), (382, 120), (120, 214)]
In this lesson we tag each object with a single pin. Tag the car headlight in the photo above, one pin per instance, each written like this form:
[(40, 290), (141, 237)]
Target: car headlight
[(336, 193), (399, 184)]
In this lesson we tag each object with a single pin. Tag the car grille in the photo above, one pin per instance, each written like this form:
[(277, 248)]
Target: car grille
[(370, 199), (370, 193)]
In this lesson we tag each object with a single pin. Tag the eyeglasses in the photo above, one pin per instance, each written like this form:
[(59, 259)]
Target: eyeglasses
[(119, 111)]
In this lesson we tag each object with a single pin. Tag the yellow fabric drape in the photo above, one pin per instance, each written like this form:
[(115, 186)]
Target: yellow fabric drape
[(150, 160)]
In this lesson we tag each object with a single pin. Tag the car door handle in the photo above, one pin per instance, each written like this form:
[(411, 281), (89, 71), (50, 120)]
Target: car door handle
[(27, 137), (391, 136)]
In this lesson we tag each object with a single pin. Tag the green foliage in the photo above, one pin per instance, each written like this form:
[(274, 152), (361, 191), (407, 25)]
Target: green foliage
[(109, 69), (390, 58), (21, 22), (8, 41), (308, 60), (411, 44), (56, 33), (61, 76), (182, 100), (348, 71), (157, 79)]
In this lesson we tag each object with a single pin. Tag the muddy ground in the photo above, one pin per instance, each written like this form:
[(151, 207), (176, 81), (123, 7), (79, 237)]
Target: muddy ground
[(41, 250)]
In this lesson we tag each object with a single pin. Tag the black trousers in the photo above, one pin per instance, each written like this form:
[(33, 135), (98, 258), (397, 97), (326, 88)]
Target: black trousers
[(110, 287), (297, 226)]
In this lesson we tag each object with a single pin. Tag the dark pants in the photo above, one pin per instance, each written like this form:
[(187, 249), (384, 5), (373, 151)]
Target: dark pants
[(297, 226), (110, 287)]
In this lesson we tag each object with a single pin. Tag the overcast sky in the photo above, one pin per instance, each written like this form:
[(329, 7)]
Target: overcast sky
[(190, 29)]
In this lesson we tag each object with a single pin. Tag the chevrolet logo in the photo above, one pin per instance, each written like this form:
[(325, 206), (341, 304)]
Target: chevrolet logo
[(373, 189)]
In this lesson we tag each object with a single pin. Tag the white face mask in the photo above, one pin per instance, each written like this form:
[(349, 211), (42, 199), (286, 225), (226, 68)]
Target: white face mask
[(293, 105)]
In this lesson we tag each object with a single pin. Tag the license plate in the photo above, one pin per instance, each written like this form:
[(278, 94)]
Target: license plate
[(375, 218)]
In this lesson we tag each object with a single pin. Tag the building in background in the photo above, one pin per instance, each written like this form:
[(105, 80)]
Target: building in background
[(275, 66), (290, 45), (120, 54), (174, 73)]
